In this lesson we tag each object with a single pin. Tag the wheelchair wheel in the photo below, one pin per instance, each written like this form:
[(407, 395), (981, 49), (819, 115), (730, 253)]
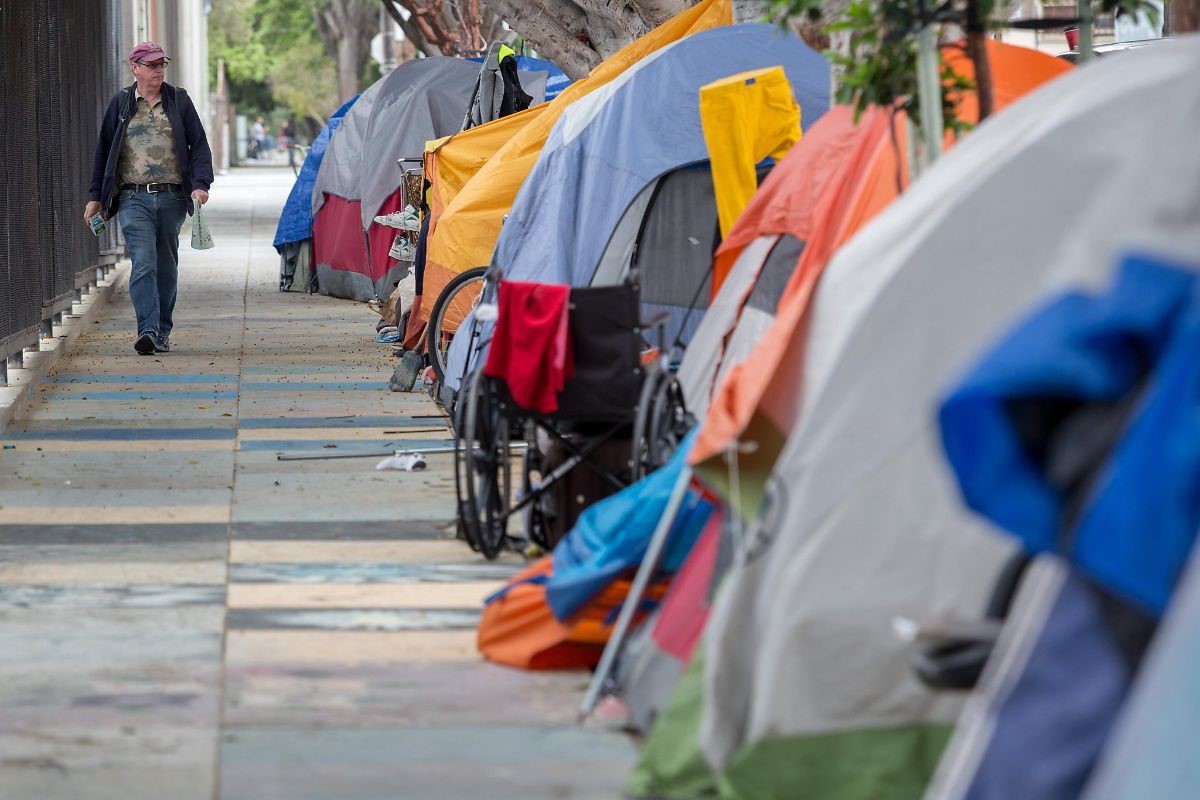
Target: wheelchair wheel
[(533, 471), (487, 470), (449, 310), (461, 446), (661, 424)]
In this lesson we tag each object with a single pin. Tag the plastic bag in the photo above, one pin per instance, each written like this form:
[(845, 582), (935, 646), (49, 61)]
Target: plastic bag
[(201, 237)]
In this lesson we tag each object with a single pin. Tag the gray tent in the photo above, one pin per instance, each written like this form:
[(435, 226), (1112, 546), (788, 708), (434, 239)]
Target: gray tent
[(360, 178)]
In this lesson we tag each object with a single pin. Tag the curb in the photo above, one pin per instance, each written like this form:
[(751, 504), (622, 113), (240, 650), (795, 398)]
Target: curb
[(23, 382)]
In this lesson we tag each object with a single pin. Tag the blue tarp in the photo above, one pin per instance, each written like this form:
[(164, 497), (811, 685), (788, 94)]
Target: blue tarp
[(611, 144), (1095, 349), (612, 536), (295, 223), (556, 80)]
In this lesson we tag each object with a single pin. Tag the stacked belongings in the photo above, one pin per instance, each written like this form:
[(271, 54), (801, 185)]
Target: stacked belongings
[(1078, 435), (806, 689), (293, 236), (654, 215), (466, 233)]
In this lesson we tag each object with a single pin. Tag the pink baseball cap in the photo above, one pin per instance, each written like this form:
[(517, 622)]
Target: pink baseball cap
[(148, 51)]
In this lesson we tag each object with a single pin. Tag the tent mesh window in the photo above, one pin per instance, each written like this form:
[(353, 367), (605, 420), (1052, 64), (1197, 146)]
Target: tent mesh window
[(775, 273), (675, 245)]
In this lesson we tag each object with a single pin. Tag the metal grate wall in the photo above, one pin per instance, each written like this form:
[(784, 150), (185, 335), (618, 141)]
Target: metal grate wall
[(59, 65)]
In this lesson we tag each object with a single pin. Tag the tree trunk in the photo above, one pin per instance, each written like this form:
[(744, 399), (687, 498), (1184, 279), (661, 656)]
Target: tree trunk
[(977, 51), (346, 28), (657, 12), (749, 11), (349, 65), (554, 28), (1185, 16)]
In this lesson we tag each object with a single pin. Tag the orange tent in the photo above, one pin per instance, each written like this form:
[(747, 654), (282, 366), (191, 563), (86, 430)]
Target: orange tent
[(467, 231), (834, 181)]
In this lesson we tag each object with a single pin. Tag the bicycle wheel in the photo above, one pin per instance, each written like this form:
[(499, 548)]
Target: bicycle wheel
[(451, 308)]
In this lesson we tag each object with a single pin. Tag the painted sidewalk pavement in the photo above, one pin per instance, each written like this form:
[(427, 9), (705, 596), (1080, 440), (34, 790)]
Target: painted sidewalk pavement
[(182, 615)]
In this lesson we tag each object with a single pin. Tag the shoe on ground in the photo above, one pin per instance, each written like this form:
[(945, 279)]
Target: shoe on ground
[(162, 344), (145, 344), (406, 372)]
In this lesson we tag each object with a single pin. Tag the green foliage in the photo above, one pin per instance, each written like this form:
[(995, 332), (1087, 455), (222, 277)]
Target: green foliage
[(273, 58), (879, 66)]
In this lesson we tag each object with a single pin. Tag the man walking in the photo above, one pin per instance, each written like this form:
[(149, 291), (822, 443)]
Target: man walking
[(152, 163)]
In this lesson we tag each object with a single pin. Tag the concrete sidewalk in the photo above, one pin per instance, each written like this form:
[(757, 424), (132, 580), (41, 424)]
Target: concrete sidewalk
[(182, 615)]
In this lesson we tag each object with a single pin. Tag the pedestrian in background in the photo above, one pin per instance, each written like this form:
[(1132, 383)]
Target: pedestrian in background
[(258, 132), (152, 163)]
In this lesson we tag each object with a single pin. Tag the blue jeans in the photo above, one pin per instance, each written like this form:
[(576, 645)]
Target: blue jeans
[(151, 223)]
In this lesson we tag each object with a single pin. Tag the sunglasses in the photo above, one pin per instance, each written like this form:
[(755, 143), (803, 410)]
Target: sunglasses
[(154, 64)]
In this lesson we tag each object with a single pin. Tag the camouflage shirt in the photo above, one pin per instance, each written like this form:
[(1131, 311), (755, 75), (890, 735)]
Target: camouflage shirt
[(148, 152)]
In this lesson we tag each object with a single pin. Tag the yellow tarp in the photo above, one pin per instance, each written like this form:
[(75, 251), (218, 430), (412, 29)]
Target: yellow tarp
[(746, 117), (451, 162), (466, 233)]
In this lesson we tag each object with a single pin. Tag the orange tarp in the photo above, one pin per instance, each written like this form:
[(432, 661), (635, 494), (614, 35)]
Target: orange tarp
[(518, 629), (834, 181), (468, 229)]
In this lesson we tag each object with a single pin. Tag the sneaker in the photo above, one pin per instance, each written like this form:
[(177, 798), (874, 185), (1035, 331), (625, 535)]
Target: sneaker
[(408, 219), (402, 249), (145, 344), (162, 344)]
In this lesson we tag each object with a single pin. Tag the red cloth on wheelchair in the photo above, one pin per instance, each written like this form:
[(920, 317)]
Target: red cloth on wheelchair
[(531, 346)]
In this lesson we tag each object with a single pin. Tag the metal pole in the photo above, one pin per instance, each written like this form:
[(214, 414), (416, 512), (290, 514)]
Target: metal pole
[(1086, 26), (425, 451), (654, 550), (929, 90)]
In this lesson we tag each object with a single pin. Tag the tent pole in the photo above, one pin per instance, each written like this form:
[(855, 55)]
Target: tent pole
[(654, 550)]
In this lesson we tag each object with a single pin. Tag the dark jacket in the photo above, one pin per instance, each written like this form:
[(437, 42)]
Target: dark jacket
[(191, 145)]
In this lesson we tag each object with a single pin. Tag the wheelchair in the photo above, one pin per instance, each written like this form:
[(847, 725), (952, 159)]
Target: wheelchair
[(614, 422)]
